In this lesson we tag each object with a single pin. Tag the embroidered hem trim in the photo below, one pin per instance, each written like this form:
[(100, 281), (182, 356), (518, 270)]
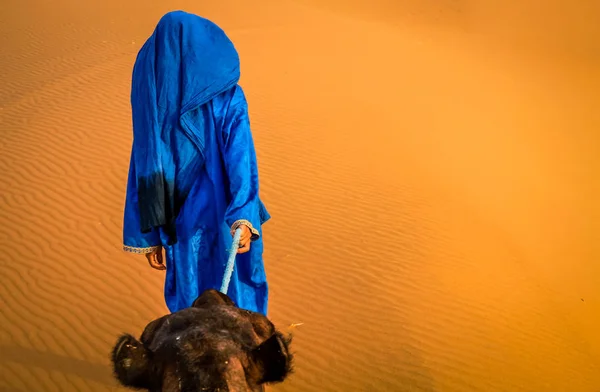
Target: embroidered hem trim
[(142, 251), (238, 223)]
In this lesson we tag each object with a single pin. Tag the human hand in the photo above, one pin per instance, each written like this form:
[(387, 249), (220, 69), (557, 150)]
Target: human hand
[(155, 259), (245, 239)]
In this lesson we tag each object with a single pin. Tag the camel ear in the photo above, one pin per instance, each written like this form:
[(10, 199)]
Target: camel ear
[(210, 298), (131, 362), (273, 359)]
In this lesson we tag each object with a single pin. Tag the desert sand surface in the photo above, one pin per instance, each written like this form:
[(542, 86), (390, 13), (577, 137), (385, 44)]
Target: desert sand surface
[(432, 170)]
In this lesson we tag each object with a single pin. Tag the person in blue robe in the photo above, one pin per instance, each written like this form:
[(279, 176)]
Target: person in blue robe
[(193, 174)]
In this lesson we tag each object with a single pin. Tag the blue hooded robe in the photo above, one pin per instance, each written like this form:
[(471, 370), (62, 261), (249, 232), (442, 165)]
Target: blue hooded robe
[(193, 173)]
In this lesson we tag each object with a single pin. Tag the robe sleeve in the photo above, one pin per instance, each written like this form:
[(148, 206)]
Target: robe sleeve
[(134, 240), (242, 169)]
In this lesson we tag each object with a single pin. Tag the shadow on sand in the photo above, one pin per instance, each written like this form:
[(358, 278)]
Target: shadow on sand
[(54, 362)]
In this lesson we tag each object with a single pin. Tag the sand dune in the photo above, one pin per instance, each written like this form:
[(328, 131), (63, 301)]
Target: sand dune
[(432, 169)]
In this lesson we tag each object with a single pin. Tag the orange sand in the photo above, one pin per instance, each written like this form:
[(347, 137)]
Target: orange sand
[(432, 168)]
